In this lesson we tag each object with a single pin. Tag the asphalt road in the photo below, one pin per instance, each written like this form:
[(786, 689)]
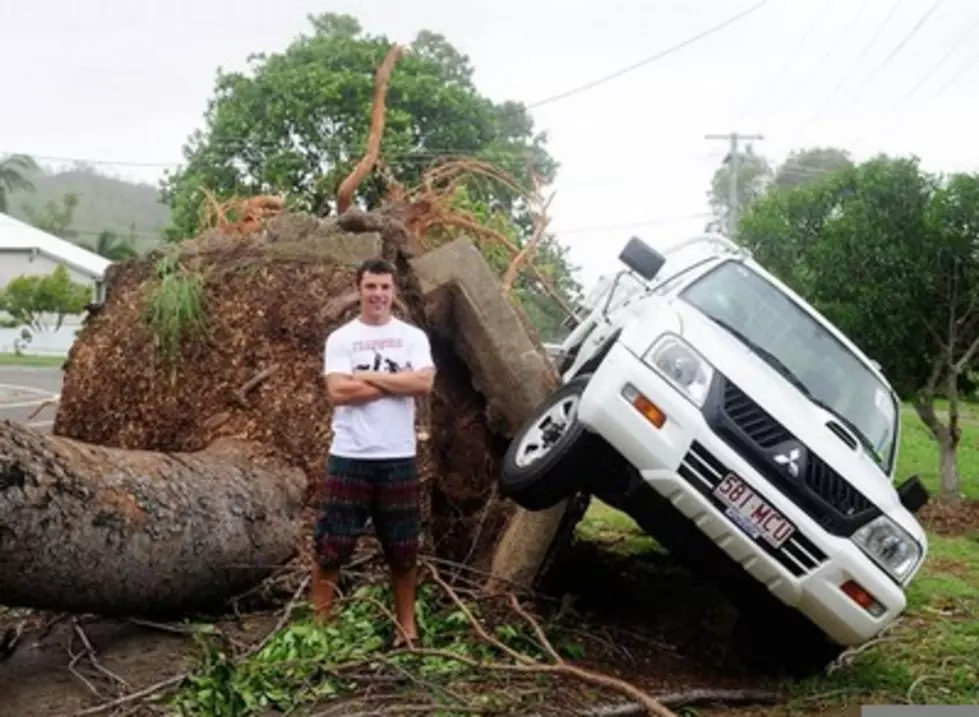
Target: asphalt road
[(24, 389)]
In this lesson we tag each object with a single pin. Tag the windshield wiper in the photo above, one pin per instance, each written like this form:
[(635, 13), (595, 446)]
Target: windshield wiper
[(770, 358), (777, 364)]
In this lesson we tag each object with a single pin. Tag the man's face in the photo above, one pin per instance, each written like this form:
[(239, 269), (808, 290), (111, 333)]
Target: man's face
[(376, 295)]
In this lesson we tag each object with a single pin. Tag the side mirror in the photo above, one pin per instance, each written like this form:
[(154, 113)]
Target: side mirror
[(913, 494), (642, 258)]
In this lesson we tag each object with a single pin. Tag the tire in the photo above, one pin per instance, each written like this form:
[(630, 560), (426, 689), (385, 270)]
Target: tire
[(563, 468)]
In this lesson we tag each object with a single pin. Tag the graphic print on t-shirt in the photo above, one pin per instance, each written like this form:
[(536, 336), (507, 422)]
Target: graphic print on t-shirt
[(381, 361), (383, 427)]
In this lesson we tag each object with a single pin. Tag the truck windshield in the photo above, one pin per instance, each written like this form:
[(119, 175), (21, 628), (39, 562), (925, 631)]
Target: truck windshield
[(794, 343)]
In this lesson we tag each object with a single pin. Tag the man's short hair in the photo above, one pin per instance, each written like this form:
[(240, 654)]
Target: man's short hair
[(375, 266)]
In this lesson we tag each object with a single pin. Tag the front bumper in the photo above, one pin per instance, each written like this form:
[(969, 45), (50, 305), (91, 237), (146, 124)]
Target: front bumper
[(683, 461)]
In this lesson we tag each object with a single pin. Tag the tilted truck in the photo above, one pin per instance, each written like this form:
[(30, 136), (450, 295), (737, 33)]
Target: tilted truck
[(748, 436)]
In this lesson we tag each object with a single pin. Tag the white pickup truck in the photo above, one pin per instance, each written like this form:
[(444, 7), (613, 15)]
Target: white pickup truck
[(748, 436)]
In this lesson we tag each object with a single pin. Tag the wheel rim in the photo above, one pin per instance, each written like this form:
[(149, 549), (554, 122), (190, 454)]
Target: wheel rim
[(547, 431)]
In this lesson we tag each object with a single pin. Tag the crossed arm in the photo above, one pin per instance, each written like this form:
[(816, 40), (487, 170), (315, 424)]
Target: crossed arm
[(364, 386)]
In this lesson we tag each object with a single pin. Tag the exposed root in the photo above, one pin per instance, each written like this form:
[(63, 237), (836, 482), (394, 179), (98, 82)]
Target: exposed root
[(541, 220), (345, 194), (238, 215), (241, 395)]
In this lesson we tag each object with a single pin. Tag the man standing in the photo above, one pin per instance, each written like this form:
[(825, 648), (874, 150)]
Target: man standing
[(375, 366)]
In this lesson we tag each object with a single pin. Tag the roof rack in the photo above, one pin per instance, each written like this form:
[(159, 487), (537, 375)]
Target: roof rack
[(719, 240)]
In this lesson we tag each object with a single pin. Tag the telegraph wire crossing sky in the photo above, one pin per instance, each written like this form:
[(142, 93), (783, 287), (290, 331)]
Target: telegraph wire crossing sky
[(628, 90)]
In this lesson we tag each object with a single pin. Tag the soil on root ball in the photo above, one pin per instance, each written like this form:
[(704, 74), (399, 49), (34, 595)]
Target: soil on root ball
[(268, 301)]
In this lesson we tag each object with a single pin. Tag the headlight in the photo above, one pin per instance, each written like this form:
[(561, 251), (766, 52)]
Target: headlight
[(681, 366), (889, 546)]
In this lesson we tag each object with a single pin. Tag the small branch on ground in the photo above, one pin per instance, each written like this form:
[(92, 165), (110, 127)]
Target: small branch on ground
[(10, 639), (45, 404), (176, 680), (92, 656), (528, 664), (688, 699)]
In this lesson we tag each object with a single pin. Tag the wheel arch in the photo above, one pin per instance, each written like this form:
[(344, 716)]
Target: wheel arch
[(592, 364)]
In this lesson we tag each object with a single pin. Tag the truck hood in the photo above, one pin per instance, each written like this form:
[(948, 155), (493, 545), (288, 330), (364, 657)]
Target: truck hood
[(780, 398)]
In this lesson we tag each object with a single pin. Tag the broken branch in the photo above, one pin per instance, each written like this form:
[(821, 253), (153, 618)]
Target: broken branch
[(528, 664), (349, 186)]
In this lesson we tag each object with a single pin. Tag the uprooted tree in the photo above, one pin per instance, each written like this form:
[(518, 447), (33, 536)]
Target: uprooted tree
[(210, 352), (888, 252)]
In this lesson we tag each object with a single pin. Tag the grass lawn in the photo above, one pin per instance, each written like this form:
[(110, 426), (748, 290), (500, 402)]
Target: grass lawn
[(931, 656), (24, 360)]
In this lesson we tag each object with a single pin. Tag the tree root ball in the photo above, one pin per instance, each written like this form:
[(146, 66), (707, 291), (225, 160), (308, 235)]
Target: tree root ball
[(267, 302)]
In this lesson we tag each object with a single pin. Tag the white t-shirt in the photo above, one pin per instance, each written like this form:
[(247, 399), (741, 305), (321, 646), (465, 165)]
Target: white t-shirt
[(384, 427)]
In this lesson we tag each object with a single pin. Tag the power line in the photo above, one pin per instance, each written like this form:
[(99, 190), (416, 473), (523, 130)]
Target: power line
[(765, 89), (924, 78), (802, 83), (659, 55), (856, 61), (897, 48)]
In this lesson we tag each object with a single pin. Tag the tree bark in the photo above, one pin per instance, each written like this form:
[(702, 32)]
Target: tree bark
[(92, 529), (948, 461), (947, 436)]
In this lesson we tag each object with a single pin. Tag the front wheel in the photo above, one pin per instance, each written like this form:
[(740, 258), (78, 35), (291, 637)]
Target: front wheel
[(548, 459)]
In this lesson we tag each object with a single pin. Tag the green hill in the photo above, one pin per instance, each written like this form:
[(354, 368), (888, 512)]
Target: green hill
[(104, 202)]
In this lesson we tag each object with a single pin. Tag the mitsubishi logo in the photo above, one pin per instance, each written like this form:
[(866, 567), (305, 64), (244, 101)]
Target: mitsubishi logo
[(790, 459)]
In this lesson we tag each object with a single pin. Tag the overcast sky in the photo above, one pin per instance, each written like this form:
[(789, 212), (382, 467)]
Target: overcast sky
[(123, 83)]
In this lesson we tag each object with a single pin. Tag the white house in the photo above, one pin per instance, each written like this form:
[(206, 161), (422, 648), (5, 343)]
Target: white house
[(25, 249)]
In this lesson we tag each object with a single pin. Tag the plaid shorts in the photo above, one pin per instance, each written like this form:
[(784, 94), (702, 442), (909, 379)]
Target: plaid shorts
[(386, 490)]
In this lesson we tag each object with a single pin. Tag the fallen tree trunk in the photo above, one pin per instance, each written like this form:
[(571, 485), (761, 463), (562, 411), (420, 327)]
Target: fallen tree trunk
[(92, 529)]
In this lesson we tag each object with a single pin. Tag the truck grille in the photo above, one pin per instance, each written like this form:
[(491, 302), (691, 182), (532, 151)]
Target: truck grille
[(823, 493), (704, 471)]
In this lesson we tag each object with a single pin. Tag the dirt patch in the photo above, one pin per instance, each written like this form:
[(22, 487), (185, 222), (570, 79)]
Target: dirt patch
[(652, 621), (951, 519), (36, 681)]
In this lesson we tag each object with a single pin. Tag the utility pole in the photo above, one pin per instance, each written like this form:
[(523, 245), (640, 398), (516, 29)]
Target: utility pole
[(732, 159)]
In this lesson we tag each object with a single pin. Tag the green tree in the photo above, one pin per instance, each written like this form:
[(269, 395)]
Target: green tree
[(31, 299), (14, 172), (807, 165), (754, 174), (55, 218), (889, 254), (298, 123), (110, 245)]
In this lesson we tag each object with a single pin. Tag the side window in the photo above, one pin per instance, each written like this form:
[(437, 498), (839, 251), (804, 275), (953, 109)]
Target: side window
[(669, 285), (627, 287)]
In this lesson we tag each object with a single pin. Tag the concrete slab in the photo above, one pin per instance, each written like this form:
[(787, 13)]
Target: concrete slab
[(508, 368)]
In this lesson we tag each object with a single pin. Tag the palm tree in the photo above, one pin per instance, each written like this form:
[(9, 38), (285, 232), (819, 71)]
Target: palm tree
[(111, 246), (13, 176)]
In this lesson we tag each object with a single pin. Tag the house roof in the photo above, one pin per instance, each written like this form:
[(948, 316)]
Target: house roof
[(15, 234)]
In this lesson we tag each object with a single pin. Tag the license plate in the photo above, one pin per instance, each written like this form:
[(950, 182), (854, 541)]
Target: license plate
[(754, 515)]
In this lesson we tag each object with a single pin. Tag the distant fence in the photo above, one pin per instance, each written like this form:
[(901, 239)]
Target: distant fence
[(42, 343)]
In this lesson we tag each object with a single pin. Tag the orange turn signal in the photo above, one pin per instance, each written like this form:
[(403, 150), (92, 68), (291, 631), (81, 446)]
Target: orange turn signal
[(647, 408), (861, 597)]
